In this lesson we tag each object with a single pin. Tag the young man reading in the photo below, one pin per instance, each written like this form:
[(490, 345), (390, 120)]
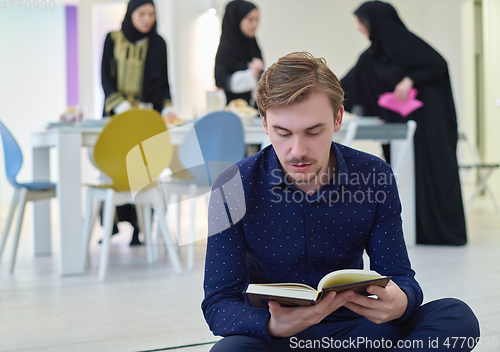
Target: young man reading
[(304, 207)]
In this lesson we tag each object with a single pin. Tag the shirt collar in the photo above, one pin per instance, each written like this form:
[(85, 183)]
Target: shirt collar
[(275, 174)]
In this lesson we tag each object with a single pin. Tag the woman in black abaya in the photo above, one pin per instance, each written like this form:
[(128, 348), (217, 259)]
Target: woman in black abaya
[(134, 71), (238, 63), (398, 60), (134, 63)]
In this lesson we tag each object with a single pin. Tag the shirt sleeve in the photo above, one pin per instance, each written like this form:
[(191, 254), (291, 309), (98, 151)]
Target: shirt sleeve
[(122, 107), (242, 81), (386, 246), (224, 306)]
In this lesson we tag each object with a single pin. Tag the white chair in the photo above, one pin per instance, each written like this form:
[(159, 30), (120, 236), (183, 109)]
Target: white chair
[(484, 171)]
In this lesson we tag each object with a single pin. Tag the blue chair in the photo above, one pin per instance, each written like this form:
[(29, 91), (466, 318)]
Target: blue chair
[(24, 192), (215, 142)]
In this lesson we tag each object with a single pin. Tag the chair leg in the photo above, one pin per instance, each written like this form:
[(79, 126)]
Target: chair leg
[(17, 231), (158, 241), (140, 218), (167, 238), (484, 185), (483, 176), (8, 224), (175, 207), (96, 206), (109, 216), (88, 224), (192, 201), (146, 214)]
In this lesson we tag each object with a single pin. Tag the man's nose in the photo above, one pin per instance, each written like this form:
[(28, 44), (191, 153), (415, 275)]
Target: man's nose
[(298, 148)]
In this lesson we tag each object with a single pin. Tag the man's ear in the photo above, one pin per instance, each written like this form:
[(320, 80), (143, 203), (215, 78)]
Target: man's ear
[(264, 123), (338, 119)]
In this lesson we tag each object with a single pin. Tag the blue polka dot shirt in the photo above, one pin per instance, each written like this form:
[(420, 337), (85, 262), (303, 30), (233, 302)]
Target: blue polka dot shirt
[(265, 230)]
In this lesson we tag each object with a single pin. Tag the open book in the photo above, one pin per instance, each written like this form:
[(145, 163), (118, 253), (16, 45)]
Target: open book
[(290, 294)]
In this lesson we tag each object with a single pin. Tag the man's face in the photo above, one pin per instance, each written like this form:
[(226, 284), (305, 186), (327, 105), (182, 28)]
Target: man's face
[(301, 135)]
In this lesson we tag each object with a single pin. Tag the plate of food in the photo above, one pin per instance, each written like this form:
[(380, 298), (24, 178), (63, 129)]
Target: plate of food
[(173, 121), (246, 113)]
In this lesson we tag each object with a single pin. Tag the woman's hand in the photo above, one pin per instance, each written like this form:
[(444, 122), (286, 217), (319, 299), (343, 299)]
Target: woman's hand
[(403, 88), (257, 66), (390, 304), (285, 322)]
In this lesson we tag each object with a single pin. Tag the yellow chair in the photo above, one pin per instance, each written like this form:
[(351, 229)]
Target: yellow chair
[(132, 150)]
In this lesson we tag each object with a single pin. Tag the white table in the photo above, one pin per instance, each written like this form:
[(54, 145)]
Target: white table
[(68, 142)]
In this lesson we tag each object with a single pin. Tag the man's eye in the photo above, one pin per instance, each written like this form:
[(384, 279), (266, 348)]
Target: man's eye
[(313, 134), (283, 134)]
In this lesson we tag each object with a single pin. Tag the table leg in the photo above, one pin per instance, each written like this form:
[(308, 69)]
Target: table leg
[(69, 196), (42, 243), (406, 187)]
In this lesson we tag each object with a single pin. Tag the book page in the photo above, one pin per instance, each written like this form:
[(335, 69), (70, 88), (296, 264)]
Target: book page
[(300, 291), (347, 276), (284, 286)]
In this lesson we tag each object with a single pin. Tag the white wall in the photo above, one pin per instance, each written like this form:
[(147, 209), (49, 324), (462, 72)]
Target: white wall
[(491, 45), (192, 42), (105, 18), (32, 78)]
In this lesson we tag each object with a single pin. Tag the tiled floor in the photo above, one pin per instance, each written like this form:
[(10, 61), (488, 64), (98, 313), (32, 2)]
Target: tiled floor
[(147, 307)]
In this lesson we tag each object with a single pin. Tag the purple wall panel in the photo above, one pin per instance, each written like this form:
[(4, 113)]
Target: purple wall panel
[(72, 55)]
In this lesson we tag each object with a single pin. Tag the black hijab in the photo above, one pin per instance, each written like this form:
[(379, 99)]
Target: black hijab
[(236, 50), (131, 33), (391, 39)]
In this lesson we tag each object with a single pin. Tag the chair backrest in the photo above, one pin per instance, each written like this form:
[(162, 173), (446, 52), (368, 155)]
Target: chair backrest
[(127, 153), (217, 141), (12, 154)]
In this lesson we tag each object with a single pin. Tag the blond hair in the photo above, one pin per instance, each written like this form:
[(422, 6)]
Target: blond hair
[(293, 78)]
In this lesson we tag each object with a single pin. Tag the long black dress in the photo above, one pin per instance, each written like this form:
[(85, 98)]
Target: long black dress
[(134, 68), (235, 50), (394, 54)]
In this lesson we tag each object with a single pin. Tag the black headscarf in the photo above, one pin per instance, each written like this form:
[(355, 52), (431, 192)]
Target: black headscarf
[(390, 37), (236, 50), (131, 33)]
